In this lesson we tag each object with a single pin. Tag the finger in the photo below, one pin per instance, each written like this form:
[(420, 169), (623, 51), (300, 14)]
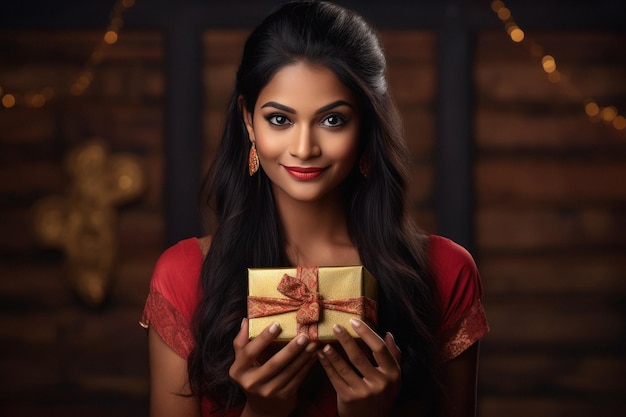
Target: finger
[(339, 372), (241, 340), (333, 376), (382, 354), (287, 361), (393, 348), (249, 350), (354, 352), (291, 378)]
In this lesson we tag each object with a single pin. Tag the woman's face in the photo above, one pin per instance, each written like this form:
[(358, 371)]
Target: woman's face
[(306, 129)]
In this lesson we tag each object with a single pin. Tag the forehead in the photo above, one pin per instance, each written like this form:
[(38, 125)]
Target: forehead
[(303, 85)]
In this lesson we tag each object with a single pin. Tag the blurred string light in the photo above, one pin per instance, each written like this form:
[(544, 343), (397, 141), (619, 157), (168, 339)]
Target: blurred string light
[(39, 98), (608, 114)]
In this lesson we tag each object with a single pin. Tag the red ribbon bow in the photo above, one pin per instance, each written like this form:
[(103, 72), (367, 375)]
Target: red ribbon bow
[(303, 296), (308, 298)]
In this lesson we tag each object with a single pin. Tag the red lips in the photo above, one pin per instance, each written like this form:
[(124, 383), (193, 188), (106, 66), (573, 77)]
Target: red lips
[(304, 173)]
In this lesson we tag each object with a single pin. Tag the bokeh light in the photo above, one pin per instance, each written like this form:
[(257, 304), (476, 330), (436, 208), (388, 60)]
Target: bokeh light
[(592, 109), (619, 123), (549, 64), (110, 37), (517, 34), (609, 114), (8, 100)]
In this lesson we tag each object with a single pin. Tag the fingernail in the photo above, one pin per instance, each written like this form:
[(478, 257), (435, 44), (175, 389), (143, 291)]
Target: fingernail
[(302, 339), (326, 349), (337, 329), (274, 328), (242, 322), (311, 347), (355, 323), (390, 334)]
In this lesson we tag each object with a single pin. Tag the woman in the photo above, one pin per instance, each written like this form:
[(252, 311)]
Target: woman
[(311, 170)]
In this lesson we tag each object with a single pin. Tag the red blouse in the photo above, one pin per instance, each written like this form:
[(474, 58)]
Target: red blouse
[(175, 292)]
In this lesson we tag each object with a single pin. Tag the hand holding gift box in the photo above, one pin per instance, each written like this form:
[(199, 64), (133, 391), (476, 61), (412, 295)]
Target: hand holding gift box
[(310, 300)]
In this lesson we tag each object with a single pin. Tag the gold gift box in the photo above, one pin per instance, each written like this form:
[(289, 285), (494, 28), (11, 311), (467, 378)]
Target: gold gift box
[(334, 283)]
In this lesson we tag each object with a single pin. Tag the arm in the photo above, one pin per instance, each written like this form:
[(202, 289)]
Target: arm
[(458, 378), (168, 379)]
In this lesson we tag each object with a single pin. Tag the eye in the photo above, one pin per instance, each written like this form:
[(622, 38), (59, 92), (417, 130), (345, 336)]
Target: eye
[(334, 120), (278, 120)]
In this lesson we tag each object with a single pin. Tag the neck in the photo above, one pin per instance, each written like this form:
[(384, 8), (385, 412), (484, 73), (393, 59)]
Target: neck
[(316, 232)]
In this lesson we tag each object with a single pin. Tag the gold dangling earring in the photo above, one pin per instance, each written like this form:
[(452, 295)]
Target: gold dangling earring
[(364, 165), (253, 160)]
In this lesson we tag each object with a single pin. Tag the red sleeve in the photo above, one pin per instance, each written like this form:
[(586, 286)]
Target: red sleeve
[(174, 295), (463, 319)]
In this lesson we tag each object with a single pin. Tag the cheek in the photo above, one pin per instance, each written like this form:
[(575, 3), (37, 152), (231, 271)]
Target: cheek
[(266, 142), (265, 146), (344, 148)]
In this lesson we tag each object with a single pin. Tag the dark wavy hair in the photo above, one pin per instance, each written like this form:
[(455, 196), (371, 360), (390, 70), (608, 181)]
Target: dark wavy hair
[(248, 231)]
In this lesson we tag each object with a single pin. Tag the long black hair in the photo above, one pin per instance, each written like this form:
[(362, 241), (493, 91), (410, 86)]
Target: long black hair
[(248, 231)]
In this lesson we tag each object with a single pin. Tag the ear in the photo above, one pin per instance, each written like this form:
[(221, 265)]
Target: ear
[(247, 117)]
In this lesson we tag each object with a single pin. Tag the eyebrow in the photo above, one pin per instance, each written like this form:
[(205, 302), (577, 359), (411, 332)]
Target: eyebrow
[(320, 110)]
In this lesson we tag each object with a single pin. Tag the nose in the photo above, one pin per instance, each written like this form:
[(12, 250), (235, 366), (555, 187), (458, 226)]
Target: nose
[(304, 146)]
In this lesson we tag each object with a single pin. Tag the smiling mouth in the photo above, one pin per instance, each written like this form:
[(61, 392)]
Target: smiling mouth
[(304, 173)]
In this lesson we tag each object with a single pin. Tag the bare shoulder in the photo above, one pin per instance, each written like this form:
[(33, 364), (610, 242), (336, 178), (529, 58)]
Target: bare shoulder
[(205, 244)]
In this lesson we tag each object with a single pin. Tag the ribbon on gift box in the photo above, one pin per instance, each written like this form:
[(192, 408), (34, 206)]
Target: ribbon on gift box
[(303, 297)]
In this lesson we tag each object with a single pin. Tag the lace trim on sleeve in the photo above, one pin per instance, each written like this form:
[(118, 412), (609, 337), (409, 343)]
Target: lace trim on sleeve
[(470, 327), (168, 322)]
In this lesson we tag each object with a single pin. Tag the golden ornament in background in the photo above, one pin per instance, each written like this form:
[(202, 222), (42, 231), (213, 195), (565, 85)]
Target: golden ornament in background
[(83, 223)]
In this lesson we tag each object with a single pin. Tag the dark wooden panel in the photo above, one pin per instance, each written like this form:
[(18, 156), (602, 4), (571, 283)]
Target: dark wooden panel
[(560, 181), (541, 273), (550, 226), (63, 358)]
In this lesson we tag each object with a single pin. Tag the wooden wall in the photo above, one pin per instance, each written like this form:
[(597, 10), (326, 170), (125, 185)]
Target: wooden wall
[(58, 357), (549, 216), (551, 228)]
